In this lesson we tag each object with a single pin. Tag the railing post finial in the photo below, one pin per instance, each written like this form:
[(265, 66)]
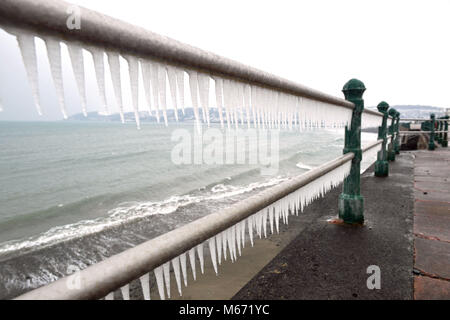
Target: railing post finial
[(431, 145), (351, 203), (382, 165)]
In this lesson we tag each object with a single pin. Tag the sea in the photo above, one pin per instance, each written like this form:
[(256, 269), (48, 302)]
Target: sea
[(74, 193)]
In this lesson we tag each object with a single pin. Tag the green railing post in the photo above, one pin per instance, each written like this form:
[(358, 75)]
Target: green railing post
[(431, 145), (397, 133), (445, 136), (351, 203), (391, 150), (382, 165)]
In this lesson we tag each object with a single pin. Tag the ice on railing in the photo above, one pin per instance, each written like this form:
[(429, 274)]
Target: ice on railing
[(28, 51), (99, 66), (114, 66), (233, 238), (76, 57), (369, 157), (125, 292), (369, 120), (133, 71), (238, 103), (54, 59), (145, 284)]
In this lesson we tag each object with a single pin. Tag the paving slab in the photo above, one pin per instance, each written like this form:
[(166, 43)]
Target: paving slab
[(426, 288)]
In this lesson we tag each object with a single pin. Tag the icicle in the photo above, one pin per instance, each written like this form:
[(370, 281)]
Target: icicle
[(193, 85), (99, 66), (146, 77), (277, 216), (227, 100), (230, 245), (110, 296), (233, 241), (219, 97), (250, 228), (54, 58), (180, 85), (125, 292), (264, 222), (183, 268), (155, 87), (243, 233), (114, 66), (166, 271), (176, 271), (162, 90), (160, 282), (218, 238), (238, 237), (133, 70), (76, 57), (192, 261), (200, 256), (224, 243), (212, 251), (28, 51), (203, 86), (271, 218), (145, 284), (172, 76)]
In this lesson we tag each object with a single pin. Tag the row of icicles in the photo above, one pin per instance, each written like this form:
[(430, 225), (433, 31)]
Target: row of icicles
[(233, 239), (237, 103)]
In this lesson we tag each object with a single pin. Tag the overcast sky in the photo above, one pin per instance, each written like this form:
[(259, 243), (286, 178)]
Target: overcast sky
[(399, 49)]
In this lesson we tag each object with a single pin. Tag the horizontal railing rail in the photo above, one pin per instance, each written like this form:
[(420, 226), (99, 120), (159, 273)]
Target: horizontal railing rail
[(100, 279)]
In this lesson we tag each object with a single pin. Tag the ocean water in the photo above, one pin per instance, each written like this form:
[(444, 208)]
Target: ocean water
[(75, 193)]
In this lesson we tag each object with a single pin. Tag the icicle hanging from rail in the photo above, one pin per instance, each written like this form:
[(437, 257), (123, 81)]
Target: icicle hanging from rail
[(28, 51), (369, 120), (76, 57), (54, 58), (233, 238), (99, 66), (369, 157), (133, 71), (238, 103)]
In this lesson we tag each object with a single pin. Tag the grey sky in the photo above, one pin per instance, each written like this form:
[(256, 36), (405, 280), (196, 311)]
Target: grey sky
[(399, 49)]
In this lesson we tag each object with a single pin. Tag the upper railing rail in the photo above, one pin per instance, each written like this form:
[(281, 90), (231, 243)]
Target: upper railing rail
[(49, 17)]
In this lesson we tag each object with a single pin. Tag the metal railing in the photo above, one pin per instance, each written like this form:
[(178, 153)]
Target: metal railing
[(98, 280)]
